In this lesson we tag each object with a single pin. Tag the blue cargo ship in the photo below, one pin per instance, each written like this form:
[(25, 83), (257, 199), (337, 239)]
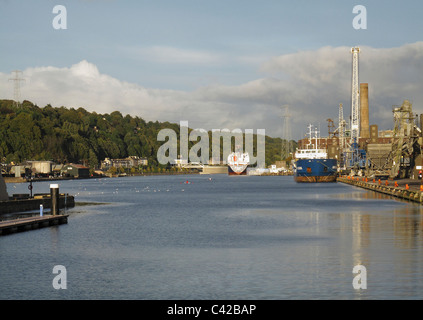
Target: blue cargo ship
[(312, 164)]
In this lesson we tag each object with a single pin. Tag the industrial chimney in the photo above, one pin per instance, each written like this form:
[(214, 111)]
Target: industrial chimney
[(364, 111)]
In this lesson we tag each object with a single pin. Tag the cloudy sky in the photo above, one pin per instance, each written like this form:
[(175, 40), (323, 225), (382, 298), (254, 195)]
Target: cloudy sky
[(217, 64)]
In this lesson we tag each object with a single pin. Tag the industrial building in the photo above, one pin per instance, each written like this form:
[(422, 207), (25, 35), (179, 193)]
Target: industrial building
[(33, 168), (129, 162), (75, 171), (361, 149)]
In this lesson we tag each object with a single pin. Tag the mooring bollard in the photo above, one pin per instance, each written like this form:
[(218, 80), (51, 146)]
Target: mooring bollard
[(41, 210), (54, 194)]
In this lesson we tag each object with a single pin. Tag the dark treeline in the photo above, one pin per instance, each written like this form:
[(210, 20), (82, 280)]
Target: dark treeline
[(68, 135)]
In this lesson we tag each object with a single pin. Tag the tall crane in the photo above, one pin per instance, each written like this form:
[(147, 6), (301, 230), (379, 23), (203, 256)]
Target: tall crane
[(355, 98), (356, 158), (342, 136)]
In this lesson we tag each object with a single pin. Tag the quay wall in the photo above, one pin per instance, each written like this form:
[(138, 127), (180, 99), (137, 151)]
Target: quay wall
[(32, 223), (21, 205), (389, 188)]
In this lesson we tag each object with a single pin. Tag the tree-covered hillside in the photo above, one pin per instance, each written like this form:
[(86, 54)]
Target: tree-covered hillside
[(68, 135)]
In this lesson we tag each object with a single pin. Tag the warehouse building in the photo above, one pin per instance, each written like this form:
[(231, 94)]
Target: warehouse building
[(75, 171)]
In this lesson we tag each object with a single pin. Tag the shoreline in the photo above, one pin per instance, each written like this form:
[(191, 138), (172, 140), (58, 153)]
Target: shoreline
[(24, 180)]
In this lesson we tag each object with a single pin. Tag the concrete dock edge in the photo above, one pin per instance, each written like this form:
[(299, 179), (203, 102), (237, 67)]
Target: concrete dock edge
[(388, 188)]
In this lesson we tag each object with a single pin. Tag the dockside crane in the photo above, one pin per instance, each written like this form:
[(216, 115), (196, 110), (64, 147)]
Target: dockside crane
[(355, 98), (354, 157), (342, 127)]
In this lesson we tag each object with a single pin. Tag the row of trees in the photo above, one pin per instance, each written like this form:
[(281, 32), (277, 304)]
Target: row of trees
[(68, 135)]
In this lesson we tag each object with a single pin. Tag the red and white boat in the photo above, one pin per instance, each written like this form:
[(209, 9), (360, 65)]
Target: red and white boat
[(238, 163)]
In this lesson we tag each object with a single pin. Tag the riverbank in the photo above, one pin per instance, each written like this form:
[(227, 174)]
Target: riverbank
[(22, 180)]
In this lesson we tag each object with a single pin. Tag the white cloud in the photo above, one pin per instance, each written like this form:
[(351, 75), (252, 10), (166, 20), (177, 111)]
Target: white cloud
[(312, 83)]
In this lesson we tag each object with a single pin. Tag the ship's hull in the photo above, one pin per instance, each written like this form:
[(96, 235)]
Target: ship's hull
[(234, 173), (238, 163), (315, 170)]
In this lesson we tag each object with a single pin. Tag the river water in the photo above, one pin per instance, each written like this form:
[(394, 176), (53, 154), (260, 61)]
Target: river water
[(218, 237)]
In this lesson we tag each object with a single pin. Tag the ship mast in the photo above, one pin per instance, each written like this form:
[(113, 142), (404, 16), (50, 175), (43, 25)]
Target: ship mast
[(310, 139), (315, 139)]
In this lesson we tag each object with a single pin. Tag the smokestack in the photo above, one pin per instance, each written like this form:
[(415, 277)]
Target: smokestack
[(364, 111)]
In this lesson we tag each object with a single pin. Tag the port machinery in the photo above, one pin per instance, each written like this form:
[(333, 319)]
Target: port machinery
[(405, 147), (396, 160), (352, 157)]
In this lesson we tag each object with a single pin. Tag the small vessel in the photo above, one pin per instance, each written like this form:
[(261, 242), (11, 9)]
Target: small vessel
[(238, 163), (312, 164)]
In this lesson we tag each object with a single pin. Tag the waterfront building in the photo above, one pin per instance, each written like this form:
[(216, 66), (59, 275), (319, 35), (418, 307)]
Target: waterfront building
[(129, 162), (75, 170)]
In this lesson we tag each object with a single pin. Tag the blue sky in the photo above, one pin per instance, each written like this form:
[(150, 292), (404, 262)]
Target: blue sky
[(203, 55)]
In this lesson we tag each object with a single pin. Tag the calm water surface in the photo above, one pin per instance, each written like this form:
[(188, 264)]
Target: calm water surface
[(226, 238)]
